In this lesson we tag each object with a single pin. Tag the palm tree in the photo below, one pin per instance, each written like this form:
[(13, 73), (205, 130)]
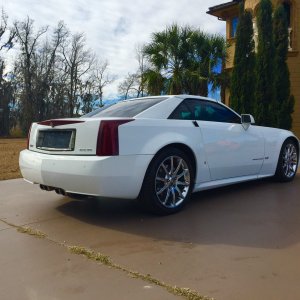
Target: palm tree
[(184, 60), (168, 54)]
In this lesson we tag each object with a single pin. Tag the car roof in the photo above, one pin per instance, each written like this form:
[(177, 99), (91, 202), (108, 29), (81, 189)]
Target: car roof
[(163, 109), (186, 96)]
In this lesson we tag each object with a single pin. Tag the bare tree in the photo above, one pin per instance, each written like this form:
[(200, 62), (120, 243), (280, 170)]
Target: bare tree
[(26, 63), (47, 62), (6, 94), (7, 36), (54, 75), (128, 87), (78, 62), (101, 78), (134, 84), (142, 68), (8, 43)]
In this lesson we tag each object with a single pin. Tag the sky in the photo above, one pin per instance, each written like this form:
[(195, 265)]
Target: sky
[(114, 28)]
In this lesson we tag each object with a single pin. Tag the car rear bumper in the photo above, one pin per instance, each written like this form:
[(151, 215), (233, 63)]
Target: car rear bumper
[(113, 176)]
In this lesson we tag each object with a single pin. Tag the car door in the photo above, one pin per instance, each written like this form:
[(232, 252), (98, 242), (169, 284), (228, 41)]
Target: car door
[(231, 151)]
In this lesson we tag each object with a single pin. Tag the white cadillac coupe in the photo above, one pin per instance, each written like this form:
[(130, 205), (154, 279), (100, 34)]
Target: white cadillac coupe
[(156, 149)]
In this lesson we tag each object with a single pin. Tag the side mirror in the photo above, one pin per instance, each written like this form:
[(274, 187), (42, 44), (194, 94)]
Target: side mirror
[(247, 120)]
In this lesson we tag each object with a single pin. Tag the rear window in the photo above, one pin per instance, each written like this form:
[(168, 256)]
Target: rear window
[(126, 109)]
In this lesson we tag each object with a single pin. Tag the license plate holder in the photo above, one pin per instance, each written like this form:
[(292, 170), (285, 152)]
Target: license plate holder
[(56, 139)]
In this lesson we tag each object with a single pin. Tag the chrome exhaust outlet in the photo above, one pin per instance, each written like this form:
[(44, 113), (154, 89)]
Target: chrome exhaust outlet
[(63, 192), (49, 188), (46, 187), (60, 191), (43, 187)]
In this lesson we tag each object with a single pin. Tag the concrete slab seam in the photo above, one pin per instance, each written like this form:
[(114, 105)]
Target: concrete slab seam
[(107, 261)]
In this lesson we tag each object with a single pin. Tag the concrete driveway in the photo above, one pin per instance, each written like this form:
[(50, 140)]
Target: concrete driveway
[(238, 242)]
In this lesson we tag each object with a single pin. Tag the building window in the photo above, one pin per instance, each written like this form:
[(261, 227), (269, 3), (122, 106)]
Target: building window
[(287, 8), (233, 26)]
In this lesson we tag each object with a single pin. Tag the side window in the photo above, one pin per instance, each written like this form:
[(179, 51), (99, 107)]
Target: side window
[(201, 110), (188, 109), (182, 112), (218, 113)]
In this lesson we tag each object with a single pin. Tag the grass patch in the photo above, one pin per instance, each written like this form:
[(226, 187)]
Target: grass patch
[(90, 254), (106, 260), (31, 231), (26, 230), (9, 157)]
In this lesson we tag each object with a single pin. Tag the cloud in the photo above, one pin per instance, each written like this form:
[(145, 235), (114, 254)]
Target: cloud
[(113, 28), (122, 27)]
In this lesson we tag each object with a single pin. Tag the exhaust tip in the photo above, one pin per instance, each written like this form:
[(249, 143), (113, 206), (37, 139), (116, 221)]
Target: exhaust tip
[(60, 191), (46, 187)]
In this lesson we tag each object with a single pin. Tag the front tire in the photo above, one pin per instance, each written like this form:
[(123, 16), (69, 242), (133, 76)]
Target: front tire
[(168, 182), (288, 161)]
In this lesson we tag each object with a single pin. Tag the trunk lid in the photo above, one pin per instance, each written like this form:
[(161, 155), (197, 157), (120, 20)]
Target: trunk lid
[(65, 136)]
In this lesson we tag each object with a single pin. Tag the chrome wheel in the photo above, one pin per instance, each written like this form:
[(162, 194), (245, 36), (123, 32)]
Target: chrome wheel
[(290, 160), (172, 181)]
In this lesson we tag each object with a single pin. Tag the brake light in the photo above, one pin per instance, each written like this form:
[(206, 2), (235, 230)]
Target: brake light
[(28, 136), (54, 123), (108, 137)]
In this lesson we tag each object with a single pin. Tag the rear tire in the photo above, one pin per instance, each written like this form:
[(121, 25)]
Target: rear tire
[(287, 162), (168, 182)]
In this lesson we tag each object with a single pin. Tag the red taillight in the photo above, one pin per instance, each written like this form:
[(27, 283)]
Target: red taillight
[(108, 138), (28, 136)]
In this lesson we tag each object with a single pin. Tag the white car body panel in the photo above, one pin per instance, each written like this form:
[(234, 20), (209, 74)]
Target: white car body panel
[(86, 137), (232, 151), (274, 139), (110, 177), (150, 138), (224, 153)]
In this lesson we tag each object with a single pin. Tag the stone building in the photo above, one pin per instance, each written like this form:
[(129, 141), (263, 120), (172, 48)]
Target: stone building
[(229, 12)]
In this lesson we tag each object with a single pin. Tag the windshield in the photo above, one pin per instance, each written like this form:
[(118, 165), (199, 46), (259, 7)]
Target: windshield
[(126, 109)]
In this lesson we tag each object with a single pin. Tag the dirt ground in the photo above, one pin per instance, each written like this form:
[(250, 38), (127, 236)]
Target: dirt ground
[(9, 157), (241, 242)]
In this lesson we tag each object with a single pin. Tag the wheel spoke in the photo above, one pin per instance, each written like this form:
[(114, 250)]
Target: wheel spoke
[(165, 169), (167, 197), (172, 164), (180, 175), (162, 190), (182, 183), (178, 167), (174, 197), (179, 192), (160, 179), (184, 173)]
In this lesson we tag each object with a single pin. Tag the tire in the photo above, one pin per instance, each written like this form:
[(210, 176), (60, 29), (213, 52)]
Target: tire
[(287, 162), (168, 182)]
